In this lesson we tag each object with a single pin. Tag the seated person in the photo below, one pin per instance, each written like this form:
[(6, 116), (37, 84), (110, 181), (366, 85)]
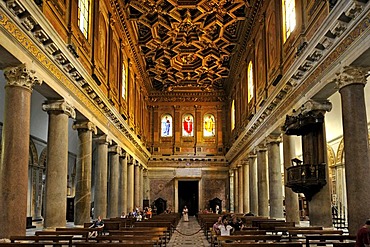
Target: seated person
[(99, 223), (216, 225), (236, 223), (225, 228)]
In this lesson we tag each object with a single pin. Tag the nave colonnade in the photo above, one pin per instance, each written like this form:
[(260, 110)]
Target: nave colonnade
[(117, 164)]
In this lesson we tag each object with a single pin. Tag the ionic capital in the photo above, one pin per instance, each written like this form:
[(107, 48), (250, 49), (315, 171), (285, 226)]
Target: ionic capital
[(59, 106), (21, 77), (123, 154), (85, 126), (351, 75), (103, 139), (115, 149), (274, 139), (261, 147)]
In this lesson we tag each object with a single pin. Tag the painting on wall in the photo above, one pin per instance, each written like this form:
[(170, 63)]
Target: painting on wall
[(166, 125), (209, 125), (188, 125)]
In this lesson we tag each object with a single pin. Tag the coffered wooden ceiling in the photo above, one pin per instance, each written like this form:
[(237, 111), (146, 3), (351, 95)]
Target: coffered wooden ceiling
[(189, 45)]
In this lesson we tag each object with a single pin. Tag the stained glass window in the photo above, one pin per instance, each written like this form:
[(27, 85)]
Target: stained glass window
[(209, 125), (188, 125), (166, 128)]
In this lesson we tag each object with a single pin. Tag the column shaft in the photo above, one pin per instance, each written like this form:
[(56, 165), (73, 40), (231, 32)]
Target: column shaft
[(253, 184), (57, 167), (137, 186), (275, 179), (83, 173), (123, 185), (113, 182), (291, 198), (130, 186), (236, 190), (101, 178), (241, 186), (246, 205), (356, 146), (263, 204), (15, 153)]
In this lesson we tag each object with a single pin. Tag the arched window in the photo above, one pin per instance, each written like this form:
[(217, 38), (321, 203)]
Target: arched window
[(289, 17), (209, 125), (250, 82), (166, 126), (188, 125), (84, 16), (233, 115), (124, 81)]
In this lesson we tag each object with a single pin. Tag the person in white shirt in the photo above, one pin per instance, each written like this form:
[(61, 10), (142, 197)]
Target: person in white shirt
[(225, 228)]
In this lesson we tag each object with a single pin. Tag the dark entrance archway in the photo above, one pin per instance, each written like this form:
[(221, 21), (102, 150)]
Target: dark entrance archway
[(189, 196)]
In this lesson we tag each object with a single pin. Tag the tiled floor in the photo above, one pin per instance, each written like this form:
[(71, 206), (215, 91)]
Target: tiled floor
[(188, 234)]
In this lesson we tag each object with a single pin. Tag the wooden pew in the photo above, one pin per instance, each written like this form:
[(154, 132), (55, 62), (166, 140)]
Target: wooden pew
[(65, 240), (271, 225), (160, 234), (251, 238), (122, 244), (154, 240), (327, 239), (300, 234), (84, 234), (25, 244), (263, 244)]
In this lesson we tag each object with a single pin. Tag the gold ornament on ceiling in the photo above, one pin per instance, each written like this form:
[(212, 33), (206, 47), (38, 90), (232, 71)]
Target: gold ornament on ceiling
[(188, 45)]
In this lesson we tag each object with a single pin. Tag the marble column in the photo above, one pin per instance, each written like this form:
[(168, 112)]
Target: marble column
[(351, 82), (263, 195), (253, 186), (240, 190), (130, 184), (246, 201), (146, 185), (137, 185), (57, 163), (14, 158), (236, 190), (101, 177), (275, 178), (123, 183), (114, 153), (83, 171), (141, 186), (291, 198), (231, 181)]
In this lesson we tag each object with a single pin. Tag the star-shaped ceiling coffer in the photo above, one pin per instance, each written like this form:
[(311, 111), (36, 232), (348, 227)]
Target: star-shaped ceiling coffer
[(187, 45)]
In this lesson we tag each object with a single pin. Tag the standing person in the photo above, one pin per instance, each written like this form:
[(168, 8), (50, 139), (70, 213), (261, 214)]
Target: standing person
[(185, 212), (363, 235)]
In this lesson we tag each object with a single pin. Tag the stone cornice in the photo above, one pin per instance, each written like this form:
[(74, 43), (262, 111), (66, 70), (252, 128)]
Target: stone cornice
[(305, 71), (45, 45), (187, 97)]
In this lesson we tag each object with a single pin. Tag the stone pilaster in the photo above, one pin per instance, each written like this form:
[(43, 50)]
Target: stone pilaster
[(114, 153), (130, 185), (253, 183), (101, 177), (263, 193), (291, 198), (275, 178), (123, 184), (14, 158), (231, 181), (351, 82), (83, 171), (246, 201), (57, 163)]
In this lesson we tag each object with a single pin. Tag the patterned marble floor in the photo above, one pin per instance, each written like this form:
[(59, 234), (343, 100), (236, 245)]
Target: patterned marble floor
[(188, 234)]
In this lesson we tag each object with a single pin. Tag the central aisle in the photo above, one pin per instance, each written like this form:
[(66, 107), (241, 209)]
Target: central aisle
[(188, 228)]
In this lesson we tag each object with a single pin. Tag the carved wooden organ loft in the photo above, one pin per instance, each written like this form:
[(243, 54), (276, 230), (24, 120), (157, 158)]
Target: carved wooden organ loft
[(188, 45)]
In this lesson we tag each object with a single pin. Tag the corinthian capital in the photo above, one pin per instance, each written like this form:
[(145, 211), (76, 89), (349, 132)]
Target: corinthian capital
[(21, 77), (351, 75), (59, 106)]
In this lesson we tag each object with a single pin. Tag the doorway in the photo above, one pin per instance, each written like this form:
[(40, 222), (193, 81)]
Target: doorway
[(189, 196)]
